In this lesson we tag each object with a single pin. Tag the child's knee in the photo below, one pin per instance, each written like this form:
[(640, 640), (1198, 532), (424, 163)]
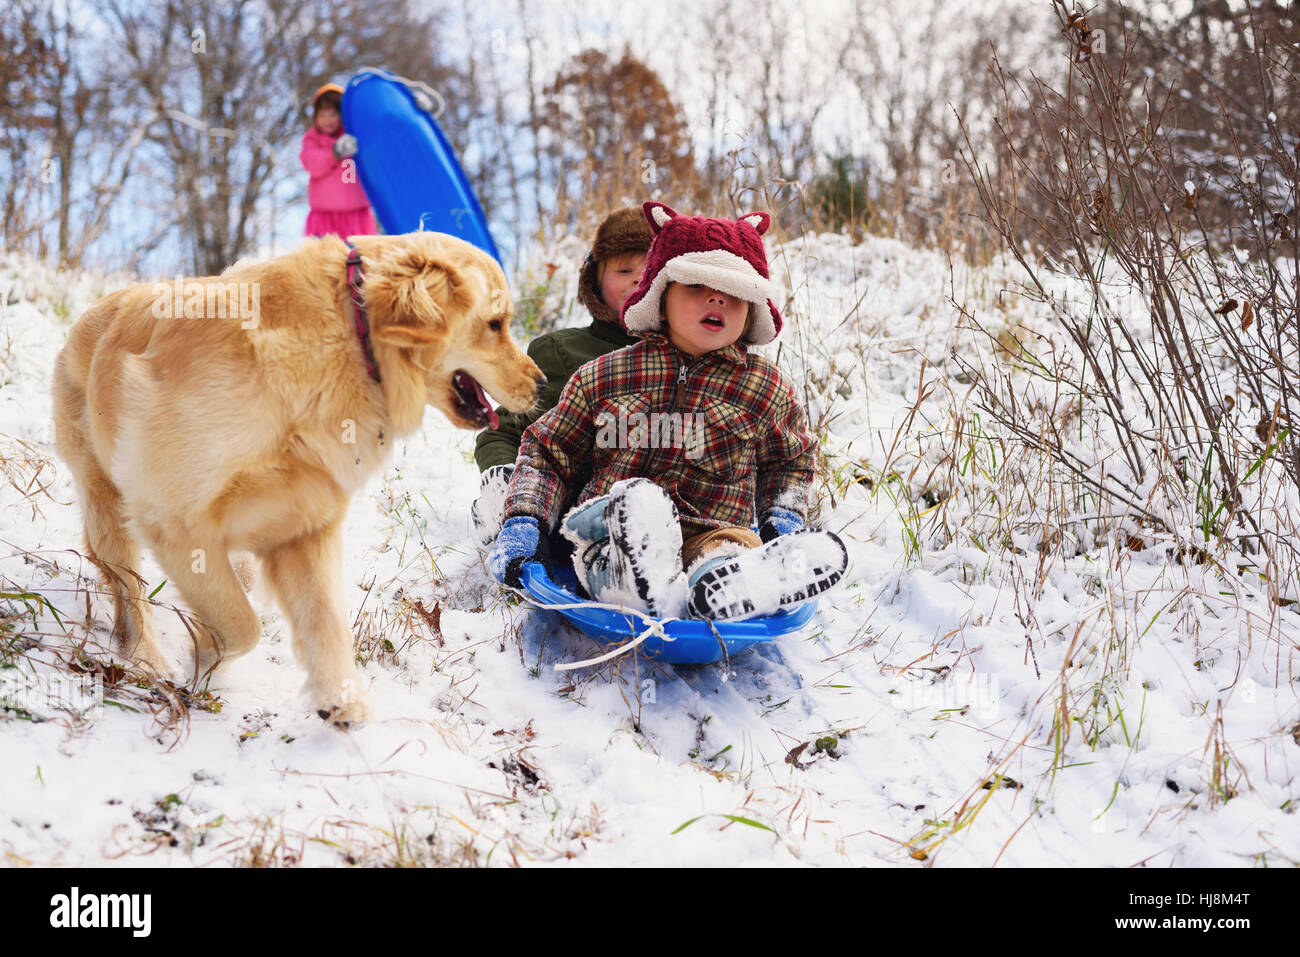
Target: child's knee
[(717, 542)]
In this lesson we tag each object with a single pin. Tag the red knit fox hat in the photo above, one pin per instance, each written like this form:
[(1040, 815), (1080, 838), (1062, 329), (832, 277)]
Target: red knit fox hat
[(723, 254)]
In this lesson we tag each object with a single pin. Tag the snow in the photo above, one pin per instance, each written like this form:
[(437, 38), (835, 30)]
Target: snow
[(1124, 707)]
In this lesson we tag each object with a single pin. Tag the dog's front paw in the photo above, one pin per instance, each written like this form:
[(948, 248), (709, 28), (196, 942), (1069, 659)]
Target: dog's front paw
[(149, 658), (346, 708)]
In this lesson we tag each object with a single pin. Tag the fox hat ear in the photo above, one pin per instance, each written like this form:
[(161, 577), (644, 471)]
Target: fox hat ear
[(657, 215), (759, 221)]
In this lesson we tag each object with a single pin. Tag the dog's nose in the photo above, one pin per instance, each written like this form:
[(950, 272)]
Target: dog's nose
[(541, 385)]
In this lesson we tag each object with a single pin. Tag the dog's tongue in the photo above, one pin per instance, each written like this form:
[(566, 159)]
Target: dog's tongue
[(482, 399), (487, 406)]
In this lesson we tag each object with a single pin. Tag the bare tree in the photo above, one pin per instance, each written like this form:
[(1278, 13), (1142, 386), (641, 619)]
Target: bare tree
[(225, 85), (611, 132), (26, 77), (69, 144), (916, 68)]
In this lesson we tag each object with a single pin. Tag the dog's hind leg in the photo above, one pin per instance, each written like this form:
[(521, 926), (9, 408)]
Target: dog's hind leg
[(306, 576), (116, 552), (109, 542)]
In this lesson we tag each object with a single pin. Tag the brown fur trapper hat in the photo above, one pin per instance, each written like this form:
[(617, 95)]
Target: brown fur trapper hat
[(625, 230)]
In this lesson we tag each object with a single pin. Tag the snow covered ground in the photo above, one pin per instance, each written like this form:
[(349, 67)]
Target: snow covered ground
[(954, 703)]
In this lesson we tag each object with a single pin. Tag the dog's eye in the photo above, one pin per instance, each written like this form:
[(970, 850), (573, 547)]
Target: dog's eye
[(495, 325)]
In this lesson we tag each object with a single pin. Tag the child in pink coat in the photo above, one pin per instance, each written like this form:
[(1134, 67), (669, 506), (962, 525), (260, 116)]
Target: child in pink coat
[(337, 201)]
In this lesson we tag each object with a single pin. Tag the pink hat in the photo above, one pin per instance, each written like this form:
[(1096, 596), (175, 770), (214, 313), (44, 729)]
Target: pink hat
[(723, 254)]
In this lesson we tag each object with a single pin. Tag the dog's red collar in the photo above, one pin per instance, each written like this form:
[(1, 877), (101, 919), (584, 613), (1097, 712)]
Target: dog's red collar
[(355, 276)]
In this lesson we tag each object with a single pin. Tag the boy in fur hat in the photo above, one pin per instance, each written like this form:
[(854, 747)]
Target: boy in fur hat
[(677, 444), (609, 274)]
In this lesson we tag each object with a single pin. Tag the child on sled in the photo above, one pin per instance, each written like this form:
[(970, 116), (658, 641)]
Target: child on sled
[(665, 526)]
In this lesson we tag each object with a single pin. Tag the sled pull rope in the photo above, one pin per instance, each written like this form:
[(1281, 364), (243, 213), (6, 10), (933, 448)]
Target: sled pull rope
[(654, 628), (726, 658)]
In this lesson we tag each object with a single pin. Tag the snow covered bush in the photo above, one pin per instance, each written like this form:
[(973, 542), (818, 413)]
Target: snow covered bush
[(1161, 388)]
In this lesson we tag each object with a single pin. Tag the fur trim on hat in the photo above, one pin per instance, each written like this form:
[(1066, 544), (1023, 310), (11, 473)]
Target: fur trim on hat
[(622, 231), (723, 254), (625, 230)]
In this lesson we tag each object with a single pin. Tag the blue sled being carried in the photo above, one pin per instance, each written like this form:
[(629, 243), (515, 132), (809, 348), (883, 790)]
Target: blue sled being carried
[(685, 641), (409, 170)]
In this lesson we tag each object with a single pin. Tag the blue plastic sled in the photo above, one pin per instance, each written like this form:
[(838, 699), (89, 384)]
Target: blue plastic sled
[(409, 170), (688, 641)]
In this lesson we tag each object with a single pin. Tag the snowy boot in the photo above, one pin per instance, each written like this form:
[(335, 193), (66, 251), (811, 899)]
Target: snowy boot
[(760, 581), (488, 509), (639, 563)]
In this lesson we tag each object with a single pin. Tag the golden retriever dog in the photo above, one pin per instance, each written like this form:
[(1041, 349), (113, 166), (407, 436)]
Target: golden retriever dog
[(239, 413)]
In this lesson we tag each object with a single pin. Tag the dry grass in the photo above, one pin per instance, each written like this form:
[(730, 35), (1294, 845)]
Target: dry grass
[(45, 646)]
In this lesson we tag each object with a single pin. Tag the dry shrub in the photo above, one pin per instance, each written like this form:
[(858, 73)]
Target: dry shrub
[(1161, 390)]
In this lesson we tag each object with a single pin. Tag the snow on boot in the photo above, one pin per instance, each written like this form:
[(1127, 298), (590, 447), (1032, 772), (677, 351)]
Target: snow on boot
[(645, 549), (759, 581), (490, 506)]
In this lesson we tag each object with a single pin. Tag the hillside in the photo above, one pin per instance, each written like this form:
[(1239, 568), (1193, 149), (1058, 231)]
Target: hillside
[(986, 687)]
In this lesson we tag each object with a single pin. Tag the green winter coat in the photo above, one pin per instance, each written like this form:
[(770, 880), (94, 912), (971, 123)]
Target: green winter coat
[(558, 354)]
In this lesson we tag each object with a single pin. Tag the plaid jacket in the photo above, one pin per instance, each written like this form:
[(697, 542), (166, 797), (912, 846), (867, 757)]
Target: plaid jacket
[(722, 433)]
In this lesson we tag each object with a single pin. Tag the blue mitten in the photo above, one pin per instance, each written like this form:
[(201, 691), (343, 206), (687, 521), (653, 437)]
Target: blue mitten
[(521, 540), (778, 521)]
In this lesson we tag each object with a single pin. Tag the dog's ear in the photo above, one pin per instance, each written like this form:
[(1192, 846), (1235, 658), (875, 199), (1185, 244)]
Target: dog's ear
[(410, 295)]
